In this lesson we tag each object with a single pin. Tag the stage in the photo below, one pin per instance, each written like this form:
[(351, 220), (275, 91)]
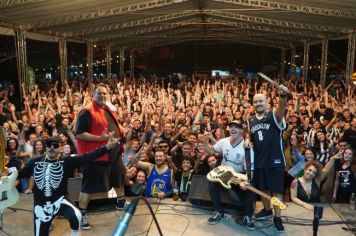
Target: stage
[(176, 219)]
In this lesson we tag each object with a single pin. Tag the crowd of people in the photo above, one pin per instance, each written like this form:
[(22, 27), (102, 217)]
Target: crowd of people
[(170, 130)]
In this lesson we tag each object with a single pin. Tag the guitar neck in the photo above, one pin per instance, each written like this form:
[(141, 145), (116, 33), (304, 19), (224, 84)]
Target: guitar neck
[(259, 192), (236, 181)]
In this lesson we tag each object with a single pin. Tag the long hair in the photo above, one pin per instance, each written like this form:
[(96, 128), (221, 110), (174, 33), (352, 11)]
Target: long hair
[(352, 164), (8, 146)]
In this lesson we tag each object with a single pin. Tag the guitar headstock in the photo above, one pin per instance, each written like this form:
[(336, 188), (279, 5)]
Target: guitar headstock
[(276, 202)]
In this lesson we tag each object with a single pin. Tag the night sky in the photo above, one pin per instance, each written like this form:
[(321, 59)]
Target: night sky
[(184, 58)]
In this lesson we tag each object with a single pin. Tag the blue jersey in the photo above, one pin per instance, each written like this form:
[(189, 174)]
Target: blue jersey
[(158, 182), (266, 136)]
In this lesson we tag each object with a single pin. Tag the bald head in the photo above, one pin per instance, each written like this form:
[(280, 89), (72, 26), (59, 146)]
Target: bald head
[(259, 101)]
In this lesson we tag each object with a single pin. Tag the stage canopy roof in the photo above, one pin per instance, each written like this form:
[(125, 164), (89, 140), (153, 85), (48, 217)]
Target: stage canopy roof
[(138, 23)]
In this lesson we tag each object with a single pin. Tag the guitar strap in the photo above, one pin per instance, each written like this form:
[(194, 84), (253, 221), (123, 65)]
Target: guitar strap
[(249, 159)]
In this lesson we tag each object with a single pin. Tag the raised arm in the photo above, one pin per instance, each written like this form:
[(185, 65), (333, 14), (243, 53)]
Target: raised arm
[(279, 111), (325, 171), (208, 148)]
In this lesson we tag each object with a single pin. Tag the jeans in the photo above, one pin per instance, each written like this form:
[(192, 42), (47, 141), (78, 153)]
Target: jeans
[(246, 197)]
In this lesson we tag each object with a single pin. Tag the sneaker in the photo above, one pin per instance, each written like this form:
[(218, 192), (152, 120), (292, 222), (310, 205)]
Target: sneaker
[(121, 204), (248, 223), (217, 216), (28, 191), (278, 226), (263, 214), (84, 224)]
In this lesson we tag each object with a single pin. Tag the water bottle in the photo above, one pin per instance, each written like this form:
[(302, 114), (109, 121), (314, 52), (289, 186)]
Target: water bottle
[(175, 192), (352, 201)]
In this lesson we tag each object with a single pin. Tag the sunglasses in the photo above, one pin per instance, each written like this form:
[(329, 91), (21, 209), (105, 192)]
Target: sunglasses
[(55, 145), (163, 146)]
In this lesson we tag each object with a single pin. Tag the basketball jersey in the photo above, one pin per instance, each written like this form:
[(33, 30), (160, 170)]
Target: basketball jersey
[(233, 156), (266, 136), (157, 182)]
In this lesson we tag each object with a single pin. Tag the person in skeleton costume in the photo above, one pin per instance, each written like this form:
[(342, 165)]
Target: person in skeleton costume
[(51, 177)]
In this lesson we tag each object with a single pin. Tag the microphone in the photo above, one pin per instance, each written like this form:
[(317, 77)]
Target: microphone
[(318, 214), (124, 220)]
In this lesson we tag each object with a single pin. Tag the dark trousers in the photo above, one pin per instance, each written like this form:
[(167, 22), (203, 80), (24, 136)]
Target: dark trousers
[(246, 197)]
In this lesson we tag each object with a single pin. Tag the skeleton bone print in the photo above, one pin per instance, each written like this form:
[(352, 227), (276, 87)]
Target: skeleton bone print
[(48, 176)]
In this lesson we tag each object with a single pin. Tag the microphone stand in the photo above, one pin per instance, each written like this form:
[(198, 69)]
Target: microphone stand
[(124, 220), (318, 214)]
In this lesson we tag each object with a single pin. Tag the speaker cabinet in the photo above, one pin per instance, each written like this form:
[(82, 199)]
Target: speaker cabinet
[(199, 193)]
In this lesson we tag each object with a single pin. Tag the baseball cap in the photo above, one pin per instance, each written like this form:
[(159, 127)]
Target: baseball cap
[(238, 123), (54, 140)]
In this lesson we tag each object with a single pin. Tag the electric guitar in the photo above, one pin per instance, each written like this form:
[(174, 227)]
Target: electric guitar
[(8, 192), (226, 175)]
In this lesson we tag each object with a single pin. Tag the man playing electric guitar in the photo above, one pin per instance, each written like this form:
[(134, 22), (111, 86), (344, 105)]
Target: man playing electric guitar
[(233, 152)]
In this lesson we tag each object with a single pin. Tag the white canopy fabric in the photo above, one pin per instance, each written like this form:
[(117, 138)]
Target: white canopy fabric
[(139, 23)]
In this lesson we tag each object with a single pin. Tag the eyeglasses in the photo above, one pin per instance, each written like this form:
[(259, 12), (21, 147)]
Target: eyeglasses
[(55, 145), (163, 146)]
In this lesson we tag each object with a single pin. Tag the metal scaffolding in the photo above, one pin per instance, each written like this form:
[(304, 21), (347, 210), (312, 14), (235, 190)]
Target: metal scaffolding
[(63, 59), (108, 60), (132, 64), (305, 62), (132, 24), (11, 3), (107, 12), (291, 7), (21, 58), (324, 60), (90, 46), (274, 22), (283, 61), (351, 47), (304, 33), (188, 32), (292, 63), (122, 62), (135, 23)]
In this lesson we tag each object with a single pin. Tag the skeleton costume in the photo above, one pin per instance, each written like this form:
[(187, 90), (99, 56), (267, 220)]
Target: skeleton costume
[(51, 179)]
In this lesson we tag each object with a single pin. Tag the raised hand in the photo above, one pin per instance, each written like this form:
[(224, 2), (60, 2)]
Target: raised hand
[(283, 90), (111, 141), (105, 135)]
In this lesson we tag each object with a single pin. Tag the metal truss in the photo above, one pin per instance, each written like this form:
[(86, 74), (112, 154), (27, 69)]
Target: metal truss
[(189, 34), (21, 57), (286, 34), (105, 13), (351, 48), (10, 3), (280, 23), (170, 33), (232, 40), (291, 7), (218, 21), (148, 30), (141, 22), (280, 30)]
